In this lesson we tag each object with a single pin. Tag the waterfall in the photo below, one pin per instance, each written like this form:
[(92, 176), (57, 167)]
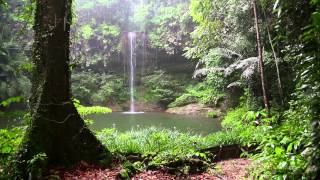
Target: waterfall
[(131, 58), (131, 36)]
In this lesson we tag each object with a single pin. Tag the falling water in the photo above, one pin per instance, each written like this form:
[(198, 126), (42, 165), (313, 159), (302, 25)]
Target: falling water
[(131, 37), (132, 74), (143, 38)]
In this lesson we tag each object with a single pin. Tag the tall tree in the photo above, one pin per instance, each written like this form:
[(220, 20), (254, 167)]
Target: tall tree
[(261, 63), (56, 128), (276, 60)]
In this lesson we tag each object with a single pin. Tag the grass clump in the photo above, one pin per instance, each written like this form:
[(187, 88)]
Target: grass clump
[(84, 111), (163, 145), (148, 141)]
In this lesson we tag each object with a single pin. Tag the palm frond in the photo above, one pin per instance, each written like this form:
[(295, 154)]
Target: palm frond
[(248, 67)]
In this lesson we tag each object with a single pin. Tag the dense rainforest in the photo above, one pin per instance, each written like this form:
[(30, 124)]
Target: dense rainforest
[(167, 89)]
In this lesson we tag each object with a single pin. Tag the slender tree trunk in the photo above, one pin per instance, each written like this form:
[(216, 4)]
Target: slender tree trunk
[(261, 64), (280, 89), (56, 127)]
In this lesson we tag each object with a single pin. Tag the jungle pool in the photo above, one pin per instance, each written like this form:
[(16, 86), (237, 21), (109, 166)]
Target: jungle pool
[(126, 122)]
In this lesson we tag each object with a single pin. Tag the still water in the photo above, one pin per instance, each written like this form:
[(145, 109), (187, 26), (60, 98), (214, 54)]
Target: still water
[(125, 122)]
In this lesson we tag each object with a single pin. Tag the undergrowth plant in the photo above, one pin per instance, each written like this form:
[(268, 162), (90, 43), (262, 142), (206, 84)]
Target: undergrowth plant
[(84, 111), (163, 145)]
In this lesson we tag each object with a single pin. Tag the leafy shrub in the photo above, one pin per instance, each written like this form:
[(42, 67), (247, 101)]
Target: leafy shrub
[(183, 100), (84, 111), (90, 87), (285, 149), (9, 142), (203, 92), (212, 114), (242, 122), (88, 122), (11, 100), (37, 165), (225, 137), (112, 90), (163, 145), (282, 153), (161, 88)]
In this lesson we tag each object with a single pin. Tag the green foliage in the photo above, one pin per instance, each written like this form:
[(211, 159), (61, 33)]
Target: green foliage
[(285, 147), (212, 114), (86, 31), (91, 87), (183, 100), (109, 30), (161, 88), (97, 37), (84, 111), (9, 143), (15, 25), (298, 31), (168, 24), (14, 75), (9, 140), (37, 165), (220, 24), (88, 122), (11, 100), (87, 5), (12, 114), (113, 90), (250, 126), (282, 152), (205, 92), (162, 145)]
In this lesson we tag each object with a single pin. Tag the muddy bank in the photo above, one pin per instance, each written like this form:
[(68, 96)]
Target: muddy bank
[(195, 109)]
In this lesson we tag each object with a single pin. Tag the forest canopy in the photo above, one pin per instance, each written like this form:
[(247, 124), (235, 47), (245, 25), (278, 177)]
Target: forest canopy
[(252, 67)]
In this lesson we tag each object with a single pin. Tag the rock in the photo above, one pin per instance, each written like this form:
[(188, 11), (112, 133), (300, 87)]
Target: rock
[(193, 109)]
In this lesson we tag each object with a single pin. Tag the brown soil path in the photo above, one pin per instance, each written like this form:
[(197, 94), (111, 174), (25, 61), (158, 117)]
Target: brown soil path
[(235, 169)]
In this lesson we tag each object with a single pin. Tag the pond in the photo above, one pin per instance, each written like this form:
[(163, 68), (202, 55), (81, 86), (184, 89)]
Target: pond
[(125, 122)]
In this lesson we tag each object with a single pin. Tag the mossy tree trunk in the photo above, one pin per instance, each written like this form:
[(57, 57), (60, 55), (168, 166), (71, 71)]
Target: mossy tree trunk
[(56, 127)]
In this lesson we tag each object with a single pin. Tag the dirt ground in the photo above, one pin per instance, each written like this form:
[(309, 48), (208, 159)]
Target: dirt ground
[(235, 169)]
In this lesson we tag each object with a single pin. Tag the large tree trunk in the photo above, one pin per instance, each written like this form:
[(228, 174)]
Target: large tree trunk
[(261, 64), (56, 127)]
